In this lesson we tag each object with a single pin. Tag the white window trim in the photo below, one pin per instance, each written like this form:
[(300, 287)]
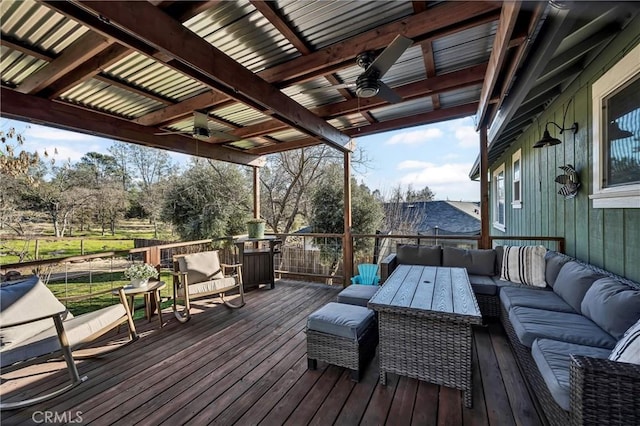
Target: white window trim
[(516, 204), (625, 196), (494, 178)]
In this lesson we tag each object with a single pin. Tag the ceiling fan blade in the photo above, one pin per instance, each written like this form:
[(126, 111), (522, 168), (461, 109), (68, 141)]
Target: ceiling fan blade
[(177, 132), (387, 93), (389, 55), (325, 88)]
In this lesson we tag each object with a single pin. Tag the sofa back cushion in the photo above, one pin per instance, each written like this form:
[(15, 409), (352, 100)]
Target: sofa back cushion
[(524, 265), (419, 255), (554, 263), (499, 255), (612, 305), (477, 262), (628, 348), (573, 281)]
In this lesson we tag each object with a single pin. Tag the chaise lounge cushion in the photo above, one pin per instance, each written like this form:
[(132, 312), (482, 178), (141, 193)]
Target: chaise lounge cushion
[(341, 320), (553, 359), (419, 255), (533, 297), (482, 284), (612, 305), (530, 324), (573, 282), (477, 262)]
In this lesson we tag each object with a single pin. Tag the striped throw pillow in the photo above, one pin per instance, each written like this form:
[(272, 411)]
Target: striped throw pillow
[(524, 265), (628, 348)]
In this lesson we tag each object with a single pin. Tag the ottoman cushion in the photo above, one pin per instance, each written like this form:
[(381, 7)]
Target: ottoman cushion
[(341, 320), (357, 294)]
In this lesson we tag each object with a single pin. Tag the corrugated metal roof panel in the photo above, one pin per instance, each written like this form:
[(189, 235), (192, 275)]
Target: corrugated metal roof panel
[(460, 96), (244, 34), (324, 23), (405, 109), (144, 72), (38, 26), (464, 49), (313, 99), (102, 96), (288, 135), (241, 114), (15, 66), (348, 121)]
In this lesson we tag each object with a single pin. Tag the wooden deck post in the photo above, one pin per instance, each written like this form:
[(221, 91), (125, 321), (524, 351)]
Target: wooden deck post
[(484, 190), (256, 192), (347, 244)]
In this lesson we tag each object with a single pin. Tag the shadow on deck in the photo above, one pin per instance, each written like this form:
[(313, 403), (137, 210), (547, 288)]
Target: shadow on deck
[(248, 367)]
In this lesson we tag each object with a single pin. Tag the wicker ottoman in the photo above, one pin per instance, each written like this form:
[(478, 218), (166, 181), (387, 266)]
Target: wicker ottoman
[(357, 294), (342, 335)]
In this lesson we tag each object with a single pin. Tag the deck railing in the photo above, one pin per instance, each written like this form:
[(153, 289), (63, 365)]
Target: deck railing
[(304, 257)]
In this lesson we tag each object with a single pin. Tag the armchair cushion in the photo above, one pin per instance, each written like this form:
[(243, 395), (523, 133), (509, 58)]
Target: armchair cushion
[(203, 266), (212, 286)]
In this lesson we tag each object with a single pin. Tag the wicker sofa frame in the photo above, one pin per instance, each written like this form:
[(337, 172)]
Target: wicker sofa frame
[(602, 392)]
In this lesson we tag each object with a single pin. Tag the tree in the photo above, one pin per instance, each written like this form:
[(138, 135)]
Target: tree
[(209, 200), (328, 215)]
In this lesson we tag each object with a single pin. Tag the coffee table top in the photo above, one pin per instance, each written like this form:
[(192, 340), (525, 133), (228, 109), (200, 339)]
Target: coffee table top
[(428, 291)]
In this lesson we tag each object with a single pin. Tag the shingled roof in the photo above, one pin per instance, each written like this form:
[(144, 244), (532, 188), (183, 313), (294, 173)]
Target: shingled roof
[(448, 218)]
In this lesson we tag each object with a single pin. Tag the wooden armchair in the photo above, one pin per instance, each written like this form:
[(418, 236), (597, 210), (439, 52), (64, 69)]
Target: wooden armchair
[(35, 327), (201, 274)]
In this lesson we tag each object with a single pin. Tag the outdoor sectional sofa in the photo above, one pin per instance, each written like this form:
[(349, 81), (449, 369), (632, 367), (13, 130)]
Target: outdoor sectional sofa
[(564, 334)]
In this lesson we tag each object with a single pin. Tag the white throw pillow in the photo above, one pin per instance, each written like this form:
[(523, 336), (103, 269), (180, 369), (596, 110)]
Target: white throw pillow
[(628, 348), (524, 265)]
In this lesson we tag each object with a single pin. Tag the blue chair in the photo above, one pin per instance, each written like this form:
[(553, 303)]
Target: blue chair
[(368, 274)]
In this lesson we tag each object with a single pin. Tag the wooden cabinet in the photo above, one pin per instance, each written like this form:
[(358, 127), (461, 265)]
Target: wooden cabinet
[(256, 256)]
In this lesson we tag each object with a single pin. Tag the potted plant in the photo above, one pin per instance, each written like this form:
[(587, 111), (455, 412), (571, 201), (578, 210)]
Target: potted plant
[(255, 228), (140, 273)]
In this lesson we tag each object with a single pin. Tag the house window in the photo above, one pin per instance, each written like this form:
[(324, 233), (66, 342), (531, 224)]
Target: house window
[(616, 132), (499, 199), (516, 169)]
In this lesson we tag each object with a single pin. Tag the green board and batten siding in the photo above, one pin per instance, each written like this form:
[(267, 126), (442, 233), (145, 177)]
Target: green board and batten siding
[(608, 238)]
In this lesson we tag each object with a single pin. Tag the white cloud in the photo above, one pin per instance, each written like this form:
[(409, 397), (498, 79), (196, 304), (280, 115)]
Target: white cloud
[(467, 137), (49, 133), (415, 137), (412, 164), (447, 181)]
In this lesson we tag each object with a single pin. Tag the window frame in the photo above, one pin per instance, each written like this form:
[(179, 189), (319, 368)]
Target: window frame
[(516, 195), (495, 176), (622, 196)]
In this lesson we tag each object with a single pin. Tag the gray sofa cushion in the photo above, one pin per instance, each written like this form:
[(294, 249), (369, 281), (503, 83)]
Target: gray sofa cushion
[(499, 255), (573, 282), (530, 324), (357, 294), (533, 297), (612, 305), (341, 320), (419, 255), (554, 263), (482, 284), (553, 361), (477, 262)]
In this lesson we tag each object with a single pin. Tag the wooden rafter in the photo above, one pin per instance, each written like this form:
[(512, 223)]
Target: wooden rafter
[(24, 107), (508, 17), (208, 64)]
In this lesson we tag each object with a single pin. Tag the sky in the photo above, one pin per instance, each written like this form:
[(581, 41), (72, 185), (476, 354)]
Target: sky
[(439, 155)]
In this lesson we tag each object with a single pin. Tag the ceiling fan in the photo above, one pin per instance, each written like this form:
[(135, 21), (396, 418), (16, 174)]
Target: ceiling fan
[(368, 83), (201, 129)]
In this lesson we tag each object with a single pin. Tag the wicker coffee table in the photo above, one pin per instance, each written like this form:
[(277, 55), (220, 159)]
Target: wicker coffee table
[(425, 316)]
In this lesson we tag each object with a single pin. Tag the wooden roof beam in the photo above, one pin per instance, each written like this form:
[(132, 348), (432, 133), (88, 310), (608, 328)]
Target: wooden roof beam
[(85, 47), (32, 108), (508, 18), (208, 64)]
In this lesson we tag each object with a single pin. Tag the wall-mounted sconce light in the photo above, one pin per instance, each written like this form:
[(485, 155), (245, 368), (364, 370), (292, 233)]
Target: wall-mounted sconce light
[(547, 140)]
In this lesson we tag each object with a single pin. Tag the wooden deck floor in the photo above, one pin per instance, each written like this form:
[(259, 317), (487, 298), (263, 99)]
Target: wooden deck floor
[(248, 367)]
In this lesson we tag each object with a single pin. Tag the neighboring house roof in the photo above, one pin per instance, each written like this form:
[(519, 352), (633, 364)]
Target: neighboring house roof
[(444, 217)]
